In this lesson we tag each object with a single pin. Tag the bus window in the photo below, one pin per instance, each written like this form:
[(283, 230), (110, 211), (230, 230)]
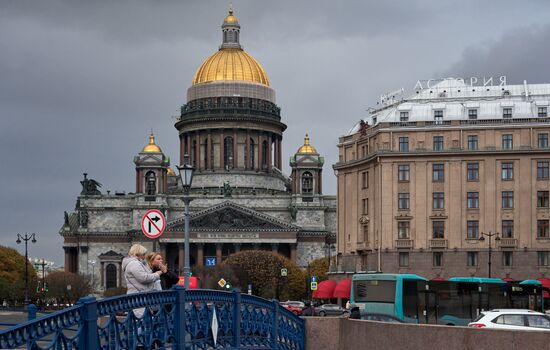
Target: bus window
[(374, 291), (411, 307)]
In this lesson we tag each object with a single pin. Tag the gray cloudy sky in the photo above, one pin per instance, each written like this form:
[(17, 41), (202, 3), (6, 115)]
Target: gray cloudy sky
[(83, 82)]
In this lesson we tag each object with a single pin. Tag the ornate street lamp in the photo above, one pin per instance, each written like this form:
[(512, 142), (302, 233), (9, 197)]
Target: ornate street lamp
[(490, 235), (28, 237), (186, 176)]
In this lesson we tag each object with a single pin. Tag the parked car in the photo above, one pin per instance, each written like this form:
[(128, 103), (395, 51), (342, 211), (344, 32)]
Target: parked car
[(295, 307), (512, 319), (331, 310), (380, 317)]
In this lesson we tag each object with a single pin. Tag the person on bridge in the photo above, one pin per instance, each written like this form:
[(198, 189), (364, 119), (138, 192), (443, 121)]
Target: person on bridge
[(138, 275), (168, 278)]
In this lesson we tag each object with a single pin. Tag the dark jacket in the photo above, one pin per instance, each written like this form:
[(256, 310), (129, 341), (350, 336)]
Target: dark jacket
[(168, 279), (308, 311), (355, 313)]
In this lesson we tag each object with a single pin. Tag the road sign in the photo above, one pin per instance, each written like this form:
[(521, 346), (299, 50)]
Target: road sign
[(284, 272), (222, 282), (152, 223), (210, 261), (313, 285), (313, 278)]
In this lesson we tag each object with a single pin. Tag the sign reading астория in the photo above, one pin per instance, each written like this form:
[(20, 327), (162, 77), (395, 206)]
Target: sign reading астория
[(153, 223)]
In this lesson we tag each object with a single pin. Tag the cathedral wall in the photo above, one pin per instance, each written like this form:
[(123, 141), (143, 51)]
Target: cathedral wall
[(308, 251), (211, 179)]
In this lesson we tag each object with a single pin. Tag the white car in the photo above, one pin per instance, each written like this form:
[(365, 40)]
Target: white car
[(519, 319)]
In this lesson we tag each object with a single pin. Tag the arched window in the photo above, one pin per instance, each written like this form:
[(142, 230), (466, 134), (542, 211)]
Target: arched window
[(252, 159), (264, 155), (228, 153), (307, 183), (150, 183), (110, 276)]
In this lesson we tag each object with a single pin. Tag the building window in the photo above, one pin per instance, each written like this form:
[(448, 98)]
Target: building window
[(471, 259), (438, 200), (507, 171), (542, 228), (507, 141), (403, 200), (403, 229), (228, 153), (265, 151), (472, 113), (472, 229), (252, 160), (438, 173), (366, 206), (438, 229), (472, 170), (437, 259), (507, 199), (543, 140), (543, 112), (307, 183), (507, 113), (542, 170), (507, 228), (110, 276), (438, 143), (472, 200), (507, 258), (472, 142), (151, 183), (403, 144), (438, 117), (366, 233), (404, 116), (365, 179), (542, 199), (403, 172), (542, 258), (403, 259)]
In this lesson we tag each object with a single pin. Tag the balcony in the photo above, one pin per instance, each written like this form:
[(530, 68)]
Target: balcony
[(403, 243), (508, 243), (363, 246), (438, 243)]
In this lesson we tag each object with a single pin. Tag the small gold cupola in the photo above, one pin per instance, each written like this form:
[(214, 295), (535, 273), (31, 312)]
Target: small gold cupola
[(307, 148), (152, 147)]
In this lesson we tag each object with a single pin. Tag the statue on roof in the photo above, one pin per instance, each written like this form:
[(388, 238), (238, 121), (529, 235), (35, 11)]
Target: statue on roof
[(227, 190), (89, 186)]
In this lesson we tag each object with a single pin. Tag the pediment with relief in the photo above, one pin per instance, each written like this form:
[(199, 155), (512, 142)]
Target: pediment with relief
[(230, 217)]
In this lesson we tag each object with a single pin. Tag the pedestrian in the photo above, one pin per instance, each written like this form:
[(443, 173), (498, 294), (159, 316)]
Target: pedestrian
[(139, 277), (167, 278), (309, 310), (355, 313), (348, 305)]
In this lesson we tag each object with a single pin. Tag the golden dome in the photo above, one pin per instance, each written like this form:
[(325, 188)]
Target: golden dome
[(231, 64), (170, 172), (230, 18), (307, 148), (152, 147)]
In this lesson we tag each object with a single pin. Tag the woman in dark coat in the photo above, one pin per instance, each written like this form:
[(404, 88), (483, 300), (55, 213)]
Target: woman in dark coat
[(167, 278)]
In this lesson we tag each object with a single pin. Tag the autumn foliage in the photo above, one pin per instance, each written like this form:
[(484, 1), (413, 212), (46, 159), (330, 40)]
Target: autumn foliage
[(12, 276)]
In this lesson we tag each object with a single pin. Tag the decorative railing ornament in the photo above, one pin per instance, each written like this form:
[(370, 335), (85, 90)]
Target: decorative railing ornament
[(175, 319)]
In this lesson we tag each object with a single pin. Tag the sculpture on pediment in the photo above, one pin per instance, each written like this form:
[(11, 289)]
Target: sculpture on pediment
[(227, 189), (83, 219), (293, 211), (89, 186), (66, 218), (230, 219)]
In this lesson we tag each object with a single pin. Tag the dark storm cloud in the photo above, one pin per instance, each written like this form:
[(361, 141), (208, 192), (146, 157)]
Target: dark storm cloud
[(83, 82)]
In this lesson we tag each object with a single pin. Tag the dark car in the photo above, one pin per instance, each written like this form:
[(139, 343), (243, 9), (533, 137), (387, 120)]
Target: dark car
[(331, 310), (369, 316)]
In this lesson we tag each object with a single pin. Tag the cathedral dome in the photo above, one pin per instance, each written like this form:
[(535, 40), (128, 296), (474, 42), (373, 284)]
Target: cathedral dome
[(231, 62), (307, 148), (152, 147)]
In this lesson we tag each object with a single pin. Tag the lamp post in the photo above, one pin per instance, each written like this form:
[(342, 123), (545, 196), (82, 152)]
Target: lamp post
[(186, 176), (490, 235), (27, 237), (92, 262)]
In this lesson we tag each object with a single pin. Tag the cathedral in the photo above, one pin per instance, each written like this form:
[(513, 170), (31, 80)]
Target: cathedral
[(231, 131)]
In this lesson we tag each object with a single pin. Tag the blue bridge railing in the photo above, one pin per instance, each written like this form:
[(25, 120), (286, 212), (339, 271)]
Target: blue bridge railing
[(172, 319)]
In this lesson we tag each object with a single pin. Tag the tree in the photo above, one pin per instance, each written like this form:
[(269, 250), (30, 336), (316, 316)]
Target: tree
[(210, 275), (319, 268), (262, 269), (67, 287), (12, 276)]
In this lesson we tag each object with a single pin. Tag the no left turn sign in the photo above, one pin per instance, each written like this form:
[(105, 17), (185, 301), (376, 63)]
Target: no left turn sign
[(152, 223)]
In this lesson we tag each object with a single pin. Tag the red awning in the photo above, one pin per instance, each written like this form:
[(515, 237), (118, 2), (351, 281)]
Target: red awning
[(438, 279), (546, 284), (343, 289), (324, 290), (508, 279)]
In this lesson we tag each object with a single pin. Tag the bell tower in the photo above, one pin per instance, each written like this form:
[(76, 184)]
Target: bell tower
[(307, 168), (151, 170)]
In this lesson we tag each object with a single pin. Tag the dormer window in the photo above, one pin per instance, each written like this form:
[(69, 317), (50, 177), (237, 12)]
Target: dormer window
[(543, 112), (404, 116), (472, 113), (507, 113), (438, 117)]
